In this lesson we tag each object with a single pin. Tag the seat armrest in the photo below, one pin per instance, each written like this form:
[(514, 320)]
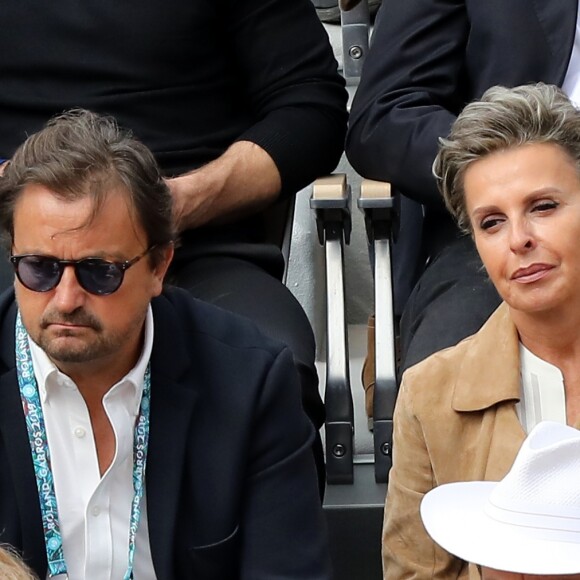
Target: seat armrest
[(331, 203), (376, 202)]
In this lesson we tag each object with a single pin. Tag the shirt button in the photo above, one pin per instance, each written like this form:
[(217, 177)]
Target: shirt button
[(80, 432), (96, 510)]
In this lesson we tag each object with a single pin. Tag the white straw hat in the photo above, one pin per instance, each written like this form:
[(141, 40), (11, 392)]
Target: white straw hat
[(528, 523)]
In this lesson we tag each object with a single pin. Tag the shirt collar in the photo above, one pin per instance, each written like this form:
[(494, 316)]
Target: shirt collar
[(49, 377)]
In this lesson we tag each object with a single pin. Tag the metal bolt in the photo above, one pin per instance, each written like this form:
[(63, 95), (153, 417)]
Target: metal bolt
[(339, 450), (355, 52), (386, 449)]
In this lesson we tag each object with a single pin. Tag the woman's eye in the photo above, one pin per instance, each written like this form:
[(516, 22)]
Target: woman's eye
[(489, 222), (545, 205)]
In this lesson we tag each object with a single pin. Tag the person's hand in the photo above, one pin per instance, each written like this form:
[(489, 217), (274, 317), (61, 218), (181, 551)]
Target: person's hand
[(243, 180)]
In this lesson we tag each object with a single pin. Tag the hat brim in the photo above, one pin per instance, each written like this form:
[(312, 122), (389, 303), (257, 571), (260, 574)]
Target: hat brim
[(454, 516)]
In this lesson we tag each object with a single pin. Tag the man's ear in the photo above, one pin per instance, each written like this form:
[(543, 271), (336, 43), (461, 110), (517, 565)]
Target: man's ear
[(164, 262), (347, 5)]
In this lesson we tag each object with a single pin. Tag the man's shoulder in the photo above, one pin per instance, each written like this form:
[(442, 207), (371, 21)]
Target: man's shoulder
[(7, 302), (223, 357), (7, 317), (178, 312)]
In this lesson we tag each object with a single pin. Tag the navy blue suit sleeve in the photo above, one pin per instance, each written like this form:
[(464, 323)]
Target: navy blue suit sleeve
[(282, 525), (411, 90)]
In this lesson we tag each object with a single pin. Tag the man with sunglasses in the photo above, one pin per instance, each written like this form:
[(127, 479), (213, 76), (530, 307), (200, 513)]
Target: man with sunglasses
[(143, 434)]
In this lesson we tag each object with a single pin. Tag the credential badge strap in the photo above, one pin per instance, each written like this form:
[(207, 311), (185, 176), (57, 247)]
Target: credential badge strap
[(41, 457)]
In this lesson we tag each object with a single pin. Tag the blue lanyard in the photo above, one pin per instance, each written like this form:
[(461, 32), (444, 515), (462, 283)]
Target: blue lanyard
[(41, 457)]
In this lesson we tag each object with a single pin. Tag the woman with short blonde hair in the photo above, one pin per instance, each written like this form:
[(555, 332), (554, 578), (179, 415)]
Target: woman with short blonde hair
[(509, 172)]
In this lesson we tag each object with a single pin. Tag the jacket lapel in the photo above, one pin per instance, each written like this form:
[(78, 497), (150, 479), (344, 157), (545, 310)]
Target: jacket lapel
[(172, 403), (558, 20), (490, 375)]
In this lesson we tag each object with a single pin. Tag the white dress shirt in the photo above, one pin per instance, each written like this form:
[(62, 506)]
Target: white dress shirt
[(571, 84), (95, 511), (543, 394)]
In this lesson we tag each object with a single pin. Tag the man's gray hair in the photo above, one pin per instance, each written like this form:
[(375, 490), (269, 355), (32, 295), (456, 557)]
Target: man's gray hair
[(502, 119), (80, 154)]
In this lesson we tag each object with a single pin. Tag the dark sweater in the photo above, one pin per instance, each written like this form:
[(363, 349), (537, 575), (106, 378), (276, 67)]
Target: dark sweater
[(188, 77)]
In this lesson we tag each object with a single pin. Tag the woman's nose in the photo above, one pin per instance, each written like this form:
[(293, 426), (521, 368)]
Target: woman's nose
[(522, 237)]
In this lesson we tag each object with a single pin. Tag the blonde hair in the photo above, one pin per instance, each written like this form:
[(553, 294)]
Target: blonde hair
[(503, 118), (12, 567)]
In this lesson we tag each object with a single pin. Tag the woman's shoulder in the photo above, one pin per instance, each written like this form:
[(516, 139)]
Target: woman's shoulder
[(434, 379)]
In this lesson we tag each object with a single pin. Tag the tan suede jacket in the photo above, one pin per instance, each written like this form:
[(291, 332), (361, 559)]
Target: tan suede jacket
[(455, 420)]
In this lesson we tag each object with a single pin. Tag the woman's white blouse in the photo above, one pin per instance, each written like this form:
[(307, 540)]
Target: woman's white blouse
[(543, 397)]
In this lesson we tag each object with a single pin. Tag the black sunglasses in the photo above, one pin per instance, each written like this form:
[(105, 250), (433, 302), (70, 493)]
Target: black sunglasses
[(95, 275)]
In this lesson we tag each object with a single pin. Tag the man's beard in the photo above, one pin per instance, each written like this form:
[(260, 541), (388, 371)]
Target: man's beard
[(98, 347)]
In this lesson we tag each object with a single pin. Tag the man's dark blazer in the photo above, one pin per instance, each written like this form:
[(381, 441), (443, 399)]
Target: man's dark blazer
[(428, 59), (230, 482)]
